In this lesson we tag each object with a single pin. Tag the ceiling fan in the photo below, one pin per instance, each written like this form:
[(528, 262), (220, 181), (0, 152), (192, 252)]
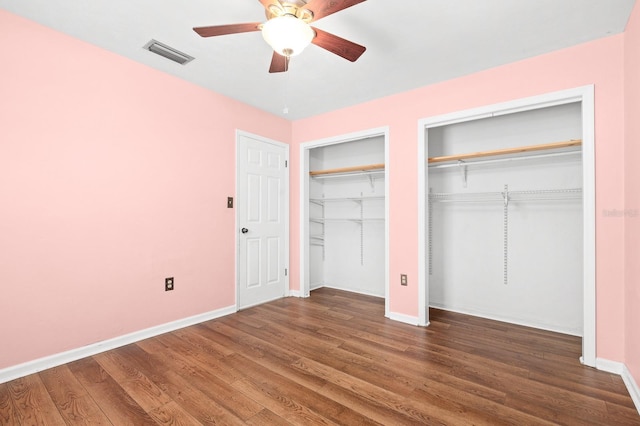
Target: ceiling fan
[(288, 32)]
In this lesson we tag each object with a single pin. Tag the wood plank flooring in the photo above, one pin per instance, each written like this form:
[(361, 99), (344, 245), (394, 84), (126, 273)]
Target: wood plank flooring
[(329, 359)]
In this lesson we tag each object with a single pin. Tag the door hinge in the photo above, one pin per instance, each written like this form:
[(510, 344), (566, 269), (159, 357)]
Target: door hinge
[(285, 271), (286, 163)]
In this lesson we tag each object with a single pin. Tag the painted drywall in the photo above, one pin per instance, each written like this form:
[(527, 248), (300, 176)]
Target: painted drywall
[(599, 63), (631, 214), (114, 176)]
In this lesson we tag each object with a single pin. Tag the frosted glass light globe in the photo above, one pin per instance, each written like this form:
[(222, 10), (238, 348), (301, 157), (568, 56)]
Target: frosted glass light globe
[(287, 35)]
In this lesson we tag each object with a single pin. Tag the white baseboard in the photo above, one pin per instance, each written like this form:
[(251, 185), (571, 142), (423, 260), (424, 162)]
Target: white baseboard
[(632, 387), (610, 366), (295, 293), (31, 367), (407, 319), (363, 292), (315, 286), (621, 370)]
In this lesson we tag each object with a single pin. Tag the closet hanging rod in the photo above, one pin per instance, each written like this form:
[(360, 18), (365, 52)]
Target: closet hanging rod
[(506, 151), (344, 170), (502, 160), (523, 195)]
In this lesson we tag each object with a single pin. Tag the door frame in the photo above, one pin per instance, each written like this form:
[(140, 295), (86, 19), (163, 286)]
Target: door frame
[(304, 203), (583, 95), (239, 134)]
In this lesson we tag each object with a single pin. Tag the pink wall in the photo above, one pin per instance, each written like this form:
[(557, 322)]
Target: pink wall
[(599, 63), (632, 188), (114, 176)]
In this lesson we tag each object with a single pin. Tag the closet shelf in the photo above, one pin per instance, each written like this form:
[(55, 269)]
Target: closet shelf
[(527, 195), (507, 151), (505, 198), (347, 219), (316, 240), (355, 199), (348, 171)]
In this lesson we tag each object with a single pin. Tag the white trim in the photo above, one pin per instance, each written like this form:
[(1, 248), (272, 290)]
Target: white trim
[(509, 107), (423, 219), (303, 208), (31, 367), (589, 226), (406, 319), (609, 366), (585, 95), (363, 292), (304, 201), (387, 204), (621, 369), (632, 387), (295, 293), (240, 133)]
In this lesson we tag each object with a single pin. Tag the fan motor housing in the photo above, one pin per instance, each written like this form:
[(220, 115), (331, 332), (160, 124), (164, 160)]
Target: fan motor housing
[(290, 8)]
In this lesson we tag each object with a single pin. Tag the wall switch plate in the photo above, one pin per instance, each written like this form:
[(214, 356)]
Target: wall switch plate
[(229, 202), (403, 279), (168, 284)]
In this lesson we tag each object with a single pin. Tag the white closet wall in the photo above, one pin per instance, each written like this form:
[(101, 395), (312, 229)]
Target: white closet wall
[(316, 228), (532, 273), (347, 223)]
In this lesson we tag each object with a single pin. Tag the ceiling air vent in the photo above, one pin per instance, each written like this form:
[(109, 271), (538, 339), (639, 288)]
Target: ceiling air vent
[(168, 52)]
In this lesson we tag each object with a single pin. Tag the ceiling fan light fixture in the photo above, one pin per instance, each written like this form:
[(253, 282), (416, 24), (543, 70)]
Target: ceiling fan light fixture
[(287, 34)]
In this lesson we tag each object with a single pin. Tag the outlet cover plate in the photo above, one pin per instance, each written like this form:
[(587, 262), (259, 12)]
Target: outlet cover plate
[(168, 284)]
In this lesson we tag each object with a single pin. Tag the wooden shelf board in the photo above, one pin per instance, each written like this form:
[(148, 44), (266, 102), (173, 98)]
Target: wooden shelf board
[(364, 168), (506, 151)]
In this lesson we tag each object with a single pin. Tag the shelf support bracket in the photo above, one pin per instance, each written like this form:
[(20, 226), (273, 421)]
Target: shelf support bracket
[(505, 235), (463, 172)]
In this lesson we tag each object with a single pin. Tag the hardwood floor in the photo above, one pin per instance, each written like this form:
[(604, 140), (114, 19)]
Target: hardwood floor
[(329, 359)]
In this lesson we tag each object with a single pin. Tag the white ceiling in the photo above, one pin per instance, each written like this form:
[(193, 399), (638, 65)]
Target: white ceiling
[(409, 44)]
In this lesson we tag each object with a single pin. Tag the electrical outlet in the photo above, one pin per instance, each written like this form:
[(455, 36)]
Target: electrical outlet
[(229, 202), (168, 284), (403, 279)]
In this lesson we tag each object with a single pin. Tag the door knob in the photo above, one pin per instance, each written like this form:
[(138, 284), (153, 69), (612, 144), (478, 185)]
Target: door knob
[(244, 230)]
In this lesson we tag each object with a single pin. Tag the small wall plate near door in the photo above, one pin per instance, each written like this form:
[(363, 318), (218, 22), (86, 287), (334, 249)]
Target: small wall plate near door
[(168, 284)]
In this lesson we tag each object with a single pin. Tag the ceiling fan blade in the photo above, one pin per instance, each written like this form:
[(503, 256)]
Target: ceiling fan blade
[(322, 8), (338, 45), (217, 30), (279, 63)]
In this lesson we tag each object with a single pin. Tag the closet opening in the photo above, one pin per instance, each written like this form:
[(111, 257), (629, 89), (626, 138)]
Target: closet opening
[(508, 214), (344, 231)]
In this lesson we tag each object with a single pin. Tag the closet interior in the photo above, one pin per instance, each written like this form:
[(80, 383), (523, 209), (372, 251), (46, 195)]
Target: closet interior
[(505, 234), (347, 216)]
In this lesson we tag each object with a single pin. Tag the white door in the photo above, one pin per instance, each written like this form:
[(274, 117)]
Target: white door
[(262, 219)]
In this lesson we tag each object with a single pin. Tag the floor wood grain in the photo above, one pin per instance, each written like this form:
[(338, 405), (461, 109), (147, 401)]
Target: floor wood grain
[(329, 359)]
